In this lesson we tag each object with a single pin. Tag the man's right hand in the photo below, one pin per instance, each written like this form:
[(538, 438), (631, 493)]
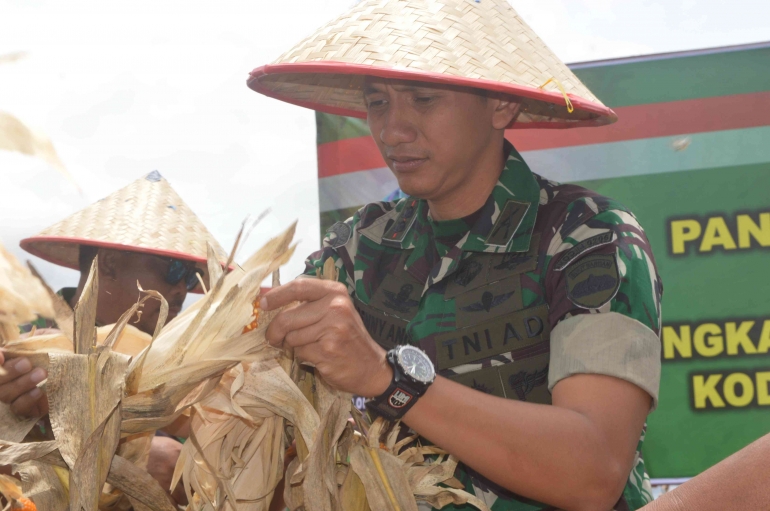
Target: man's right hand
[(18, 387)]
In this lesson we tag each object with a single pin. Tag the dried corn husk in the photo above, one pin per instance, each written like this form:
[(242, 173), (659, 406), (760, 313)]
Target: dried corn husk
[(22, 297), (241, 394)]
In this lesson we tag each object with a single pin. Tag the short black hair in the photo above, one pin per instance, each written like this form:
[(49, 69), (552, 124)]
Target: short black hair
[(86, 257)]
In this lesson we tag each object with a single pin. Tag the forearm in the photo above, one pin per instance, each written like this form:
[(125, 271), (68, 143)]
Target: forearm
[(547, 453), (737, 483)]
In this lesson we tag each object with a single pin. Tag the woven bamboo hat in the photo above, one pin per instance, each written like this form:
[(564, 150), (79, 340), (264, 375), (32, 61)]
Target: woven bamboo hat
[(482, 44), (146, 216)]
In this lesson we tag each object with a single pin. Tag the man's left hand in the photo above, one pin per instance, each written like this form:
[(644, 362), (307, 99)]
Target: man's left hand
[(326, 331)]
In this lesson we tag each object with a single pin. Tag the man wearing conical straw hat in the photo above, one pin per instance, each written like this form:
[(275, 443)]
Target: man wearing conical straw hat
[(143, 233), (510, 320)]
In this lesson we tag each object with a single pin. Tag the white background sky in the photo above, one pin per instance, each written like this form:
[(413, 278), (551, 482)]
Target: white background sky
[(124, 88)]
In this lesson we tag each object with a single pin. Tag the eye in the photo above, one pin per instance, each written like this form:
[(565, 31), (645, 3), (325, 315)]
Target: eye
[(375, 103), (423, 100)]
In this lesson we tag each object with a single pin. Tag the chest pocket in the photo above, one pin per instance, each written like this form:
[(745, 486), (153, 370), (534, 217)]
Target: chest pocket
[(499, 347), (395, 302)]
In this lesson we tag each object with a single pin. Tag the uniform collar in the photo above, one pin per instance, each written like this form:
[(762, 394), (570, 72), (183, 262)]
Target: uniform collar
[(504, 225)]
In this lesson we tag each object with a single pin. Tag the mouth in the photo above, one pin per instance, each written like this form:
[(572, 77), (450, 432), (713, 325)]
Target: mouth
[(406, 163)]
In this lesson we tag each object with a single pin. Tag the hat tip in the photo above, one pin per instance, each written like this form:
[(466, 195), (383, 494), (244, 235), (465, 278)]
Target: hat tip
[(154, 176)]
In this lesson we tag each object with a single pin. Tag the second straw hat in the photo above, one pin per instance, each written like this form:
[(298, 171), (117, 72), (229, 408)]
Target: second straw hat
[(482, 44), (147, 216)]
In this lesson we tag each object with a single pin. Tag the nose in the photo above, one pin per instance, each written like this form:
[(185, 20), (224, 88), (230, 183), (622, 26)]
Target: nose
[(397, 127)]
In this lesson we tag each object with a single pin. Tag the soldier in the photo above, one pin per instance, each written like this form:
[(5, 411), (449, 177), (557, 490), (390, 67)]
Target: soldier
[(535, 305), (142, 233)]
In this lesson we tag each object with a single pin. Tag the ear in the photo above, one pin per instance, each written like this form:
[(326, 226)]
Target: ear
[(505, 111), (109, 261)]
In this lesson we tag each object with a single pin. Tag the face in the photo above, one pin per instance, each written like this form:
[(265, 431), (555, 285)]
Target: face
[(119, 274), (433, 137)]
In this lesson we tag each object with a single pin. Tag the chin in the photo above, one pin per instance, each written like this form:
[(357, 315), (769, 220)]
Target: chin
[(416, 188)]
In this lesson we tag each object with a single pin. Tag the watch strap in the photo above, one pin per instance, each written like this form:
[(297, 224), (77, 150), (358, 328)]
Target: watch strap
[(399, 397)]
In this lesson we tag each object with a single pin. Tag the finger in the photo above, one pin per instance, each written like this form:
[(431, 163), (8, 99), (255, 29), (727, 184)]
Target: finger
[(305, 336), (312, 353), (11, 391), (297, 318), (28, 405), (299, 290), (13, 369)]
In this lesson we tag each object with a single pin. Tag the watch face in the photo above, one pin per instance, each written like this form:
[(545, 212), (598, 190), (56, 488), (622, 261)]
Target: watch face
[(416, 364)]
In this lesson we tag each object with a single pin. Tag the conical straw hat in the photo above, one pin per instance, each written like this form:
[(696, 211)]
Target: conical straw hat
[(146, 216), (474, 43)]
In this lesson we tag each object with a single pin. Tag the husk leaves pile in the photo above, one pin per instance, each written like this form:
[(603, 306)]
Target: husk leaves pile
[(247, 402)]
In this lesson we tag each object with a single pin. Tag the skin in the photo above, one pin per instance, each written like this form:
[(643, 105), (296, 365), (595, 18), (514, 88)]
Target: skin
[(446, 145), (119, 273), (735, 484)]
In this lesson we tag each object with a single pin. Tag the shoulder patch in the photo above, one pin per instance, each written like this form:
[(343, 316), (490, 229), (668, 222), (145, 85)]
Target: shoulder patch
[(583, 247), (339, 234), (593, 281)]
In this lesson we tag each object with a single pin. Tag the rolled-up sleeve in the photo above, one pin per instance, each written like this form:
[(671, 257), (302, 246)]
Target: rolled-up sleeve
[(610, 344), (604, 297)]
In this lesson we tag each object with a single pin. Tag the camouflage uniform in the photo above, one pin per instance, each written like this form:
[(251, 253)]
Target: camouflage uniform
[(545, 281)]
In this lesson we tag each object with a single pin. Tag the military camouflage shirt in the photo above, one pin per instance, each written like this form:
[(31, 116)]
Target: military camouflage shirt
[(545, 281)]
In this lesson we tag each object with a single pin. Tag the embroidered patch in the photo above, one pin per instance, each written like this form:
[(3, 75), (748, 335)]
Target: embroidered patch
[(401, 301), (471, 273), (593, 281), (512, 263), (500, 335), (397, 297), (583, 247), (507, 223), (490, 301), (484, 380), (340, 234), (469, 270), (527, 380), (523, 379)]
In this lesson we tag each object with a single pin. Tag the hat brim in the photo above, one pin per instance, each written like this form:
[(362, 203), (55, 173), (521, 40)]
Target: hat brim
[(548, 108), (64, 251)]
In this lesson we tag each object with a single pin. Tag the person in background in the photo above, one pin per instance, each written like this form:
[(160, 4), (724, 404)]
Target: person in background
[(736, 484), (142, 234), (510, 320)]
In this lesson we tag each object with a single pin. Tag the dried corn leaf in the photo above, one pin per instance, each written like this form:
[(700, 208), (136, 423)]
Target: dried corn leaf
[(353, 493), (15, 136), (440, 497), (12, 427), (14, 453), (83, 391), (391, 493), (7, 58), (93, 463), (213, 265), (62, 311), (43, 485), (22, 296), (138, 484), (85, 312)]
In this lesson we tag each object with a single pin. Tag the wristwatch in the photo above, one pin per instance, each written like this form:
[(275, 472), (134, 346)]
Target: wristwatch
[(413, 373)]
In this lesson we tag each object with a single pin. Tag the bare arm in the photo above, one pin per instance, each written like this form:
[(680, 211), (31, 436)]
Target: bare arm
[(576, 454), (735, 484)]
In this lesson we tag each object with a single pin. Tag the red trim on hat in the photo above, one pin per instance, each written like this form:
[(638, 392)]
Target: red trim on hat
[(326, 67), (28, 245)]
